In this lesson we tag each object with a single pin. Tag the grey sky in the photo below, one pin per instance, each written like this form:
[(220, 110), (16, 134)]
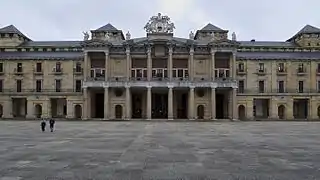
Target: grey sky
[(250, 19)]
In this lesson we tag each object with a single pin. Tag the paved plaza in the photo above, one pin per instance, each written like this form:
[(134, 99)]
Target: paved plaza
[(160, 150)]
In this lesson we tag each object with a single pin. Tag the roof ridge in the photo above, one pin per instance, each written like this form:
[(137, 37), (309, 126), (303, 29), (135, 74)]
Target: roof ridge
[(107, 27)]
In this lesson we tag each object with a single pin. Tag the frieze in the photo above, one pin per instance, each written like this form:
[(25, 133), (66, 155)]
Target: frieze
[(117, 50)]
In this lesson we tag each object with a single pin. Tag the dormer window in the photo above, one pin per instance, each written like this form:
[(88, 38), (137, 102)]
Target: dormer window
[(2, 35), (11, 35)]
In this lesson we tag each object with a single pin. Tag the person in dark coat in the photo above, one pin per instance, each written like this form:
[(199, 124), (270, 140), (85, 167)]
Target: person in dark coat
[(51, 122), (43, 125)]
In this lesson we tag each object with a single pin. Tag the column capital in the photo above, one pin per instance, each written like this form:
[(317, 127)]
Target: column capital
[(192, 87), (149, 87), (170, 87), (191, 52), (127, 51), (106, 52), (213, 51)]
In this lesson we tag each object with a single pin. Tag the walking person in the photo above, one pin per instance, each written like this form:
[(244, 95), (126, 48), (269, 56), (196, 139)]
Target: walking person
[(51, 122), (43, 125)]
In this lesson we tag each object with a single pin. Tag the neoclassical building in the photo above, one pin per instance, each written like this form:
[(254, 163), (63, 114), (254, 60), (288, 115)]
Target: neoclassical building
[(110, 75)]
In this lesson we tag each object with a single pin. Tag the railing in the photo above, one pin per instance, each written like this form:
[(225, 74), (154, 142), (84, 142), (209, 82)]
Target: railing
[(40, 91), (277, 91)]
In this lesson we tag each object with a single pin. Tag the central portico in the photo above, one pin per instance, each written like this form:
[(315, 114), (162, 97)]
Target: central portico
[(160, 76)]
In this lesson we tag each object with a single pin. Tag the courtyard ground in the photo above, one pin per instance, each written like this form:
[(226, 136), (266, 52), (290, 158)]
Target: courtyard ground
[(160, 150)]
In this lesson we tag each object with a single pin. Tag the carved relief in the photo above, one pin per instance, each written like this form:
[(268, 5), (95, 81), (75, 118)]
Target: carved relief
[(159, 24)]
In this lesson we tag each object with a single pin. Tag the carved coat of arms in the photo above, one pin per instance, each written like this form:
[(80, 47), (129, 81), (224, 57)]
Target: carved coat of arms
[(159, 24)]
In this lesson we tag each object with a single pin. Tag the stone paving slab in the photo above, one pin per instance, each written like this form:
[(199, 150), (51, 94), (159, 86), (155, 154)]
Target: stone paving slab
[(160, 150)]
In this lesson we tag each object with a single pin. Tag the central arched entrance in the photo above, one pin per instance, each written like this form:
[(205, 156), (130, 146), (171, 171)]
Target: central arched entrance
[(77, 111), (118, 111), (200, 112), (242, 112), (281, 112), (38, 110)]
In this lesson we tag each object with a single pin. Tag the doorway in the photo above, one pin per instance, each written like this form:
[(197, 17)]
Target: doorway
[(118, 111), (136, 105), (220, 106), (200, 112), (242, 112), (77, 111), (38, 110), (182, 101), (99, 105), (159, 106), (300, 108), (281, 112)]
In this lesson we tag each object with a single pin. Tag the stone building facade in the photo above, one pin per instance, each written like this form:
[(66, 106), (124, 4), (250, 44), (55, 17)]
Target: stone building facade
[(109, 75)]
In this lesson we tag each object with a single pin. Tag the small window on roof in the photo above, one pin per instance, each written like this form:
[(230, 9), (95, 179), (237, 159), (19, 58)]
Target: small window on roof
[(27, 49), (10, 35), (44, 49), (2, 49), (35, 49), (53, 49), (19, 49), (309, 44), (2, 35)]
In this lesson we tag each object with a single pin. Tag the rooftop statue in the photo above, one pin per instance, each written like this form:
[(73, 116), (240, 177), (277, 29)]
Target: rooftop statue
[(191, 35), (128, 36), (85, 36), (159, 24), (234, 36)]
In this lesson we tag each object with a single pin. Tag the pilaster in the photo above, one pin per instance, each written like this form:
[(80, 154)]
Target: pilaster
[(106, 103), (149, 104), (30, 109), (234, 69), (70, 109), (85, 104), (314, 109), (149, 65), (274, 109), (191, 103), (106, 64), (249, 110), (213, 103), (128, 103), (289, 110), (191, 63), (234, 104), (128, 63), (170, 103), (46, 108), (85, 65), (213, 63), (170, 63)]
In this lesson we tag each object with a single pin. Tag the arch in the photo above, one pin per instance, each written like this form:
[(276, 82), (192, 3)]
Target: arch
[(118, 111), (242, 112), (281, 112), (200, 112), (1, 110), (77, 111), (38, 110)]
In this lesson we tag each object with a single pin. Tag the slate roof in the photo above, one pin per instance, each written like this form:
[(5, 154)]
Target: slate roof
[(307, 29), (267, 44), (211, 27), (12, 29), (279, 55), (108, 27), (40, 55), (51, 44)]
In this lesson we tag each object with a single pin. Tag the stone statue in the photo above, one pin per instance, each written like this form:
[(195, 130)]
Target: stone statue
[(107, 36), (234, 36), (85, 36), (128, 36), (213, 36), (191, 35), (159, 24)]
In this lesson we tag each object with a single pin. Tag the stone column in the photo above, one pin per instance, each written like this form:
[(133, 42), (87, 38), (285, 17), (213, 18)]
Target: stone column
[(46, 108), (30, 109), (170, 63), (7, 109), (85, 65), (149, 65), (128, 63), (128, 103), (149, 103), (85, 104), (213, 63), (234, 104), (106, 65), (106, 103), (249, 110), (289, 109), (274, 109), (234, 66), (213, 103), (170, 103), (191, 59), (70, 108), (191, 103)]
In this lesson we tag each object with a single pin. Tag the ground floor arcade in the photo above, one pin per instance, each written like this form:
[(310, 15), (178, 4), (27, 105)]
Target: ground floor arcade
[(160, 103)]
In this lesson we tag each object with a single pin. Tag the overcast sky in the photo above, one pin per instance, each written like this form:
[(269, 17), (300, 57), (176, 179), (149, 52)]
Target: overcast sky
[(250, 19)]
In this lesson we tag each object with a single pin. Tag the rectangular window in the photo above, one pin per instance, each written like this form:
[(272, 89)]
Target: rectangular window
[(281, 67), (78, 85), (261, 67), (241, 86), (241, 67), (58, 85), (58, 67), (78, 67), (39, 67), (19, 67), (19, 85), (300, 90), (261, 86), (318, 69), (280, 86), (38, 85), (1, 67), (300, 68), (318, 85), (1, 85)]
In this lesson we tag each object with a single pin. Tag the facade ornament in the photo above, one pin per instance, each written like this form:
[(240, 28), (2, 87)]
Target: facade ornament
[(191, 35), (107, 36), (85, 36), (234, 36), (212, 36), (128, 36), (159, 24)]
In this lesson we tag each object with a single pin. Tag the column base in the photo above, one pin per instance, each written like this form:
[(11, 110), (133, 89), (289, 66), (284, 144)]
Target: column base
[(192, 119), (235, 119), (213, 119), (170, 119)]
